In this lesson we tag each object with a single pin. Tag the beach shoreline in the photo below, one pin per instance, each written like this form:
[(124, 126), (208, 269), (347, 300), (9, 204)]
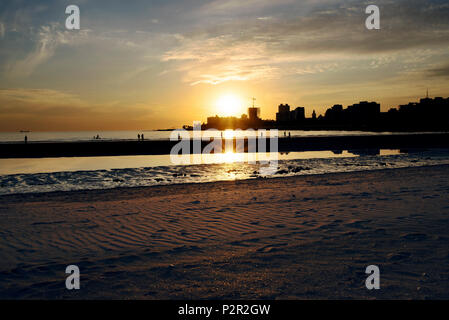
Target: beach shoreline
[(177, 188), (302, 237)]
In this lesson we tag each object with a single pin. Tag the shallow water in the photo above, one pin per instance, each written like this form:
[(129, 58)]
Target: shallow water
[(65, 174)]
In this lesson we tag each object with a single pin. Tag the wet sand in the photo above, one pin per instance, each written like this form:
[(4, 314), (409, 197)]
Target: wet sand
[(305, 237)]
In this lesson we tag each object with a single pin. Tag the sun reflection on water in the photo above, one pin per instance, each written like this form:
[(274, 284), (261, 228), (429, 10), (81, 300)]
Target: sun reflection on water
[(17, 166)]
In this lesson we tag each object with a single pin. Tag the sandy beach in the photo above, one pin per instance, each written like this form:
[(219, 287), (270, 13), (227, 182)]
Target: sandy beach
[(306, 237)]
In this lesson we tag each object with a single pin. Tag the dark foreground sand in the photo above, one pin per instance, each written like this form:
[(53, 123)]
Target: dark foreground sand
[(289, 238)]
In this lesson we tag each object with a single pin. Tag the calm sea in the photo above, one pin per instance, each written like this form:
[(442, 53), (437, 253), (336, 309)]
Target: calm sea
[(150, 135)]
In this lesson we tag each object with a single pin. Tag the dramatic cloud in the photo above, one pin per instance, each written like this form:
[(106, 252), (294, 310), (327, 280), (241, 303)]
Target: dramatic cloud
[(241, 48), (148, 54)]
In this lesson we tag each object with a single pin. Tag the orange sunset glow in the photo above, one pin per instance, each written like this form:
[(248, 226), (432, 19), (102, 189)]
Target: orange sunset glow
[(147, 68)]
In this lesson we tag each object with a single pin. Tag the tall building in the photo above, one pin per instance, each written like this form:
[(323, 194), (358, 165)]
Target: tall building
[(298, 114), (254, 114), (284, 113), (360, 113), (365, 108)]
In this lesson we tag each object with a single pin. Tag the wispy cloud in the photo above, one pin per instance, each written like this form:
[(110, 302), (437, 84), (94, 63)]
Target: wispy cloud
[(2, 30), (241, 49), (230, 6), (48, 96), (47, 40), (214, 60), (50, 109), (440, 71)]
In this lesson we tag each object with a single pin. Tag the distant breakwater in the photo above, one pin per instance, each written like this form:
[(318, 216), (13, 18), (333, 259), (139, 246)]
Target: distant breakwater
[(160, 147)]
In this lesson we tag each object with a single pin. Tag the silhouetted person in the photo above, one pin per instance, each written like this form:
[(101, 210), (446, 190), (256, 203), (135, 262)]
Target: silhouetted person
[(143, 138), (98, 137), (289, 135), (138, 137), (26, 139)]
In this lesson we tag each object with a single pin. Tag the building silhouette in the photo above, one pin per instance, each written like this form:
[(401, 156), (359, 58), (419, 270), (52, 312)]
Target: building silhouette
[(360, 114), (428, 114), (251, 120), (253, 113), (284, 115)]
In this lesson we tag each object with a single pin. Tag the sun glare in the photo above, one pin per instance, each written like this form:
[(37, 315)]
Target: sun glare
[(229, 134), (229, 105)]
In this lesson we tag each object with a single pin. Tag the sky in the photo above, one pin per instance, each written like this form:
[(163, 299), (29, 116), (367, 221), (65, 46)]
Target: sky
[(142, 64)]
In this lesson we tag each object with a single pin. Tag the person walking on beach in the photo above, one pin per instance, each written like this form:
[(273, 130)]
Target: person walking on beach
[(26, 139), (142, 137), (138, 137)]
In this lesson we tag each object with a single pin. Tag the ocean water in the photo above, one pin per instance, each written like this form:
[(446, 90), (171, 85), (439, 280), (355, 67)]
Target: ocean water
[(65, 174), (152, 135)]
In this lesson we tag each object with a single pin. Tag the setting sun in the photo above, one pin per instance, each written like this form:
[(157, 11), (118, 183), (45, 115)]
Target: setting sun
[(229, 105)]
